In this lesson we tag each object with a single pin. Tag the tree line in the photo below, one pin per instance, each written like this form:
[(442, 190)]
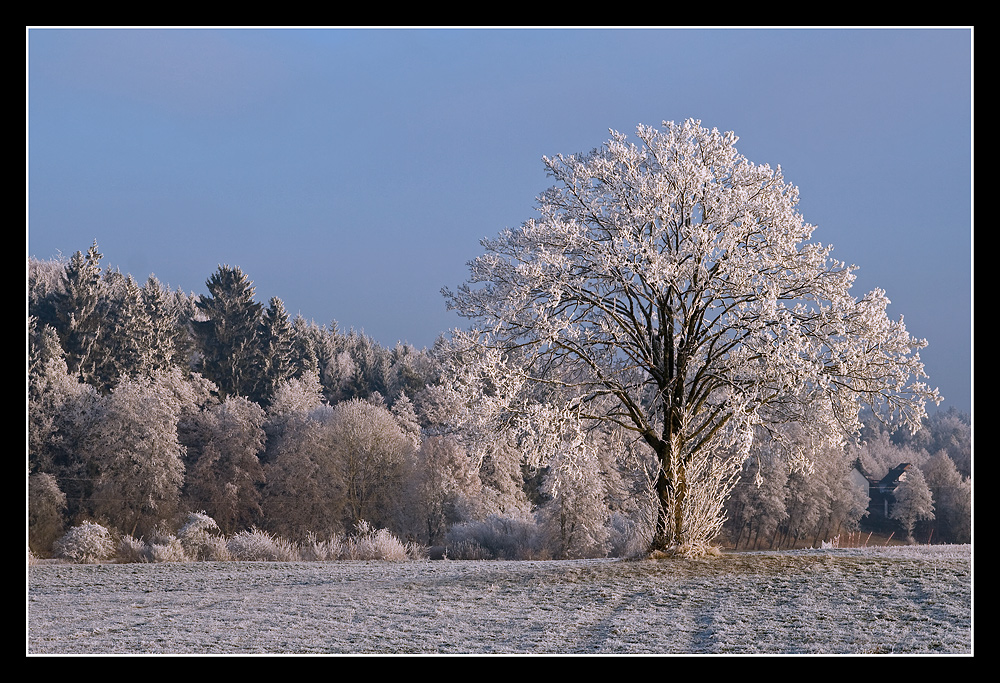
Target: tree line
[(146, 404), (773, 506)]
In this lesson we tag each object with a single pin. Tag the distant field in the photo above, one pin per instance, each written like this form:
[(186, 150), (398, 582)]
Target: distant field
[(882, 600)]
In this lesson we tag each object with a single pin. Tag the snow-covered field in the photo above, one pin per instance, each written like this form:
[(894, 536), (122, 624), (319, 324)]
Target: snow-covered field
[(878, 600)]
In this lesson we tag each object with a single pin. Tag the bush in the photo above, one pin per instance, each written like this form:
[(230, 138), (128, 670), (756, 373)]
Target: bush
[(367, 543), (375, 544), (199, 538), (168, 550), (86, 543), (315, 550), (497, 538), (256, 545), (132, 550)]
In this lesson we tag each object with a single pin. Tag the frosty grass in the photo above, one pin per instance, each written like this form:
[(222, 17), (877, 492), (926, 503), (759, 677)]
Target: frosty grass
[(850, 601)]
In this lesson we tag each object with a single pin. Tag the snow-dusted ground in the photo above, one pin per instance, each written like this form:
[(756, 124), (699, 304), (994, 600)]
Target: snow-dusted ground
[(879, 600)]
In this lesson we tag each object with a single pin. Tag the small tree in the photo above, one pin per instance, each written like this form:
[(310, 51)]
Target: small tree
[(335, 466), (670, 288), (443, 487), (46, 505), (576, 513), (912, 502), (369, 454), (952, 499)]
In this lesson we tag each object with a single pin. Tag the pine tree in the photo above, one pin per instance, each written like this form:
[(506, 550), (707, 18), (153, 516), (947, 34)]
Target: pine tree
[(124, 339), (164, 329), (230, 333), (305, 347), (277, 343), (76, 320)]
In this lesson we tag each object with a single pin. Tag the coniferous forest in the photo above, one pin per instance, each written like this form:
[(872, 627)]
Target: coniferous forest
[(158, 417)]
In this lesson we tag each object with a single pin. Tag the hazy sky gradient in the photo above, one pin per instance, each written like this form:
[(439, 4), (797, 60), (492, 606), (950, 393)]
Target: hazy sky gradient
[(352, 173)]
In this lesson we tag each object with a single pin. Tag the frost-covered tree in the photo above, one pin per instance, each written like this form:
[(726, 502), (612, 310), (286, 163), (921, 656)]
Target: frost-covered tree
[(442, 489), (912, 501), (411, 370), (76, 318), (952, 496), (476, 403), (944, 430), (230, 332), (62, 411), (669, 287), (46, 504), (46, 287), (125, 342), (334, 466), (277, 350), (165, 326), (575, 515), (297, 394), (757, 508), (224, 474), (133, 456), (301, 490), (370, 451)]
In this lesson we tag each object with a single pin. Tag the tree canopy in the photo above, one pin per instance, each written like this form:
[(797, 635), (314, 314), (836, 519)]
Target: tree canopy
[(670, 288)]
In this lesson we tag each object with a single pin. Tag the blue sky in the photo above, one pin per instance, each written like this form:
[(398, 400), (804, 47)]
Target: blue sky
[(352, 172)]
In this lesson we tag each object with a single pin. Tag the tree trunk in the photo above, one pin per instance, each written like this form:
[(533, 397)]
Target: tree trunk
[(671, 494)]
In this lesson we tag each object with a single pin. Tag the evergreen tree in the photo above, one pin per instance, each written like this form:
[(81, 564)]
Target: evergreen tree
[(164, 326), (45, 290), (306, 346), (230, 333), (277, 343), (75, 315), (124, 337)]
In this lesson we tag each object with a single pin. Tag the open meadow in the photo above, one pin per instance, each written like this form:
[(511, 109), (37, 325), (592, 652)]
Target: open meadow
[(849, 601)]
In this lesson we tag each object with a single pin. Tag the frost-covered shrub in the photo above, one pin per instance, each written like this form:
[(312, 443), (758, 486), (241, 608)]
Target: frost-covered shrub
[(200, 540), (131, 550), (497, 538), (197, 523), (467, 549), (315, 550), (255, 545), (168, 550), (369, 543), (625, 537), (213, 549), (85, 543)]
